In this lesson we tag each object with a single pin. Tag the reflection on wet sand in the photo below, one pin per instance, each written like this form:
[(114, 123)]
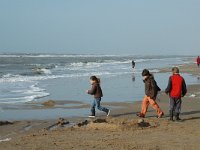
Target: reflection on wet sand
[(133, 77)]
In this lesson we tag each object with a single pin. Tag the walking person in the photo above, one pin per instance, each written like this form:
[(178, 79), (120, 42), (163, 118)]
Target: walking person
[(176, 89), (133, 64), (98, 94), (198, 61), (151, 91)]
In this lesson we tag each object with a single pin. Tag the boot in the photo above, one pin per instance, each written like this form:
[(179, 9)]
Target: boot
[(140, 115), (92, 113), (177, 117), (171, 115)]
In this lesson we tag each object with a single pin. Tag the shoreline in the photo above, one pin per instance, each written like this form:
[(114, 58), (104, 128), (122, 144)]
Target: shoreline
[(190, 68), (32, 133)]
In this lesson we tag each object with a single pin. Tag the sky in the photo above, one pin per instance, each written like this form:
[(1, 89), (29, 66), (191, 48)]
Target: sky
[(140, 27)]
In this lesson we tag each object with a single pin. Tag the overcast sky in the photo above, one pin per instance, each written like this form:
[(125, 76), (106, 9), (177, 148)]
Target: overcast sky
[(100, 26)]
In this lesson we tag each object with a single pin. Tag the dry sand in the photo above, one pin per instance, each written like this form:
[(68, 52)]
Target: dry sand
[(121, 131)]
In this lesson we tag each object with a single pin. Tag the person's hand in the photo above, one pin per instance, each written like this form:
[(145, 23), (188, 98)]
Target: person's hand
[(87, 91)]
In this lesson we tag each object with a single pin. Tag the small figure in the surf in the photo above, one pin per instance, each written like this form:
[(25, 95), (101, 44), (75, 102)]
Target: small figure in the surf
[(133, 64)]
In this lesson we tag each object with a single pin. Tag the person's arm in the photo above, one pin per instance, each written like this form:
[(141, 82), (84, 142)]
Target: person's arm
[(92, 91), (184, 88), (169, 86)]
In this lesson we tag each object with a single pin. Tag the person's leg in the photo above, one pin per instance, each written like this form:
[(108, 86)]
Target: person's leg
[(145, 104), (98, 102), (171, 108), (178, 109), (156, 107), (93, 105)]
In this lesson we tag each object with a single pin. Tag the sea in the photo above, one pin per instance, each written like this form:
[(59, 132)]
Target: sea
[(29, 78)]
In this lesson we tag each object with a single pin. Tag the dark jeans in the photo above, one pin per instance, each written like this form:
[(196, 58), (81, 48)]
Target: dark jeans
[(175, 104), (97, 102)]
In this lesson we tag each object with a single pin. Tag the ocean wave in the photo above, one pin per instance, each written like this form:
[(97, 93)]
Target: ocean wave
[(52, 55), (22, 78), (42, 71), (19, 78), (46, 66), (108, 62), (25, 95), (98, 63)]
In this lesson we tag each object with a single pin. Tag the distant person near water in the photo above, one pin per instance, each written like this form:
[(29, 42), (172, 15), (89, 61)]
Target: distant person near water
[(176, 89), (98, 94), (151, 91), (133, 64), (198, 61)]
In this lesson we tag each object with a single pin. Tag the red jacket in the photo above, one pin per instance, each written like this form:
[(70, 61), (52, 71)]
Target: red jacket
[(176, 86), (198, 60)]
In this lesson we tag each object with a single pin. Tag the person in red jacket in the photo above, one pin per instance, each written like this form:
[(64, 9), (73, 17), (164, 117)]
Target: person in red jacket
[(198, 61), (176, 89)]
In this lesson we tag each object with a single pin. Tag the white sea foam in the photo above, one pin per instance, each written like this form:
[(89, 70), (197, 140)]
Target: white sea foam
[(43, 70), (81, 65), (22, 92), (20, 78), (48, 74)]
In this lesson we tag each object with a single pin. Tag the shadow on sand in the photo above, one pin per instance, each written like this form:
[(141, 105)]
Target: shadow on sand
[(190, 113), (192, 118)]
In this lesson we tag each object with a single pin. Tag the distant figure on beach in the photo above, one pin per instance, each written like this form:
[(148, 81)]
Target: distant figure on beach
[(98, 94), (151, 91), (176, 89), (198, 61), (133, 64)]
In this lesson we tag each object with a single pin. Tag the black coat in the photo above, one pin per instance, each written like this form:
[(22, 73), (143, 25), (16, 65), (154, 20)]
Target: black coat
[(151, 87)]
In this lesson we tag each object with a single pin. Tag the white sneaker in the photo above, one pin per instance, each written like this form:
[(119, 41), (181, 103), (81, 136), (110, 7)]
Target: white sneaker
[(108, 113), (91, 116)]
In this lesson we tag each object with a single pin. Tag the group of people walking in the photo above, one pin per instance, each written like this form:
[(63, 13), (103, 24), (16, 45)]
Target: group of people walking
[(176, 89)]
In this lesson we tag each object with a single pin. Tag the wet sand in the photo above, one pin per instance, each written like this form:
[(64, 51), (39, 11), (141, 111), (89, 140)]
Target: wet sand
[(190, 68), (121, 131)]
